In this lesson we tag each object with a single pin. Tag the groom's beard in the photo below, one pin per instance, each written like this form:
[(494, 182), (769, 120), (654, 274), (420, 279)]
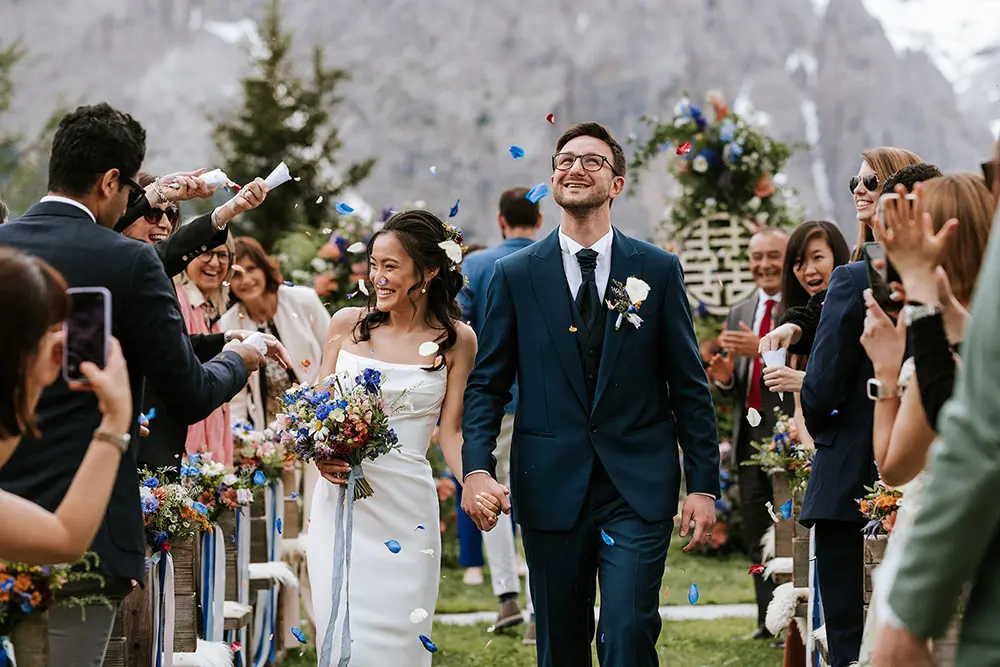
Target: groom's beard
[(577, 207)]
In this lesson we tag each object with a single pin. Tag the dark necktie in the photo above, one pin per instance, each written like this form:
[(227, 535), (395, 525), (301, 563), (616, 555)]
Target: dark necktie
[(587, 299), (753, 398)]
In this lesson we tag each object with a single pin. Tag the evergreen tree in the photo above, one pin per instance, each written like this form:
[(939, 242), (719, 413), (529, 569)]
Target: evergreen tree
[(8, 142), (285, 118)]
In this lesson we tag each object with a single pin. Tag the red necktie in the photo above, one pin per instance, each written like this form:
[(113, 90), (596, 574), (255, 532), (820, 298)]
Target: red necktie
[(753, 396)]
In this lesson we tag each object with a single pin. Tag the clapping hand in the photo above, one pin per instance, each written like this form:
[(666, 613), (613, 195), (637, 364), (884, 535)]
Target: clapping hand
[(742, 343)]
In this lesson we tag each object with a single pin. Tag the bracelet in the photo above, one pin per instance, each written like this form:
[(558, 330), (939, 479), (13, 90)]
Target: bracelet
[(119, 441), (157, 186), (215, 221)]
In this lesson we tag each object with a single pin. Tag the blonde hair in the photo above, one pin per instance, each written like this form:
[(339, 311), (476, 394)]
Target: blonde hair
[(884, 161), (963, 196), (219, 298)]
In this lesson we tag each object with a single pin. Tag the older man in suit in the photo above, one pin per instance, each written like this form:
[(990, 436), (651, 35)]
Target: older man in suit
[(738, 373), (96, 153), (956, 537)]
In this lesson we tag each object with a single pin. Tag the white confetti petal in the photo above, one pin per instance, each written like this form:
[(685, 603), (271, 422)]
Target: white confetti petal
[(428, 348), (753, 417), (427, 552), (319, 200), (453, 250), (357, 247), (364, 290), (418, 615)]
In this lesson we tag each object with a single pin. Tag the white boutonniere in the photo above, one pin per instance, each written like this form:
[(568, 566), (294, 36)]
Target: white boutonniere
[(627, 299)]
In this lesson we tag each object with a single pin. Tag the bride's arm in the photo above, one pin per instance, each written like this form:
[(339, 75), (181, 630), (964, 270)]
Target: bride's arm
[(910, 441), (460, 361)]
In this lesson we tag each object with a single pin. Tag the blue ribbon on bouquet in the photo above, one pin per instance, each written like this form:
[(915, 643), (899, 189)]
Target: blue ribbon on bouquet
[(342, 571), (6, 652)]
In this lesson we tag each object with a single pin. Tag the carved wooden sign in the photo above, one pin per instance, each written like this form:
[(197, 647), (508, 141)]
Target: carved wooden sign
[(713, 252)]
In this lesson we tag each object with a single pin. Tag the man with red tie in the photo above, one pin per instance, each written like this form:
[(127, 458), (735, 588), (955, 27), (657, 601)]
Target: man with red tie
[(737, 371)]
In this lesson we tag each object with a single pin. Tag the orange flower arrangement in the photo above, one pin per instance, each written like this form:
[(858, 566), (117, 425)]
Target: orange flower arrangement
[(879, 507)]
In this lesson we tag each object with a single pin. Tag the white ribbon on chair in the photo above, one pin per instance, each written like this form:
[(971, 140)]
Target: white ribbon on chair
[(266, 611), (163, 610), (242, 582), (213, 584), (7, 658)]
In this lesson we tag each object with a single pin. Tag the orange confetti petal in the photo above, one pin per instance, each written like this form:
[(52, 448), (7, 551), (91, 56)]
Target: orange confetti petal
[(572, 329), (306, 363)]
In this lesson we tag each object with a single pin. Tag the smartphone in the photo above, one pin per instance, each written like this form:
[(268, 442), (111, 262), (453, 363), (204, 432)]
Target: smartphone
[(880, 275), (87, 331)]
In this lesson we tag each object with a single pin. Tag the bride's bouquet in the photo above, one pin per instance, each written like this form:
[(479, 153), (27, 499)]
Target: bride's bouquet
[(344, 418)]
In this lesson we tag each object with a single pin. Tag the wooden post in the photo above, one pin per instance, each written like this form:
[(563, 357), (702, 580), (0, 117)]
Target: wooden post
[(784, 529), (185, 596), (30, 639), (136, 613), (800, 545), (874, 552), (227, 524)]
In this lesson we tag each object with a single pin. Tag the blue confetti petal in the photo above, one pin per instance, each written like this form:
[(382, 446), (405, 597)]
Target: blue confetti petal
[(295, 494), (290, 283), (835, 413), (454, 209), (393, 546), (516, 152), (537, 193), (343, 208), (259, 479), (607, 538), (428, 644), (298, 634), (786, 509), (148, 417), (693, 594), (277, 524), (232, 538), (420, 527), (198, 507)]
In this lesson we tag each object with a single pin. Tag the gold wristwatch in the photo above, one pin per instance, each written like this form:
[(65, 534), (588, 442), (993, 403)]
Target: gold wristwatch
[(120, 441)]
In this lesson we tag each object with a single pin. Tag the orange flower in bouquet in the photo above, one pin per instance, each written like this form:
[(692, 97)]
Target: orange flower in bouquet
[(765, 187)]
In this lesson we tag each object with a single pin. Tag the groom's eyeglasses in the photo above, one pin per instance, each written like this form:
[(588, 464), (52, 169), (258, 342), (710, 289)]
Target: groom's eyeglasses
[(870, 182), (590, 162)]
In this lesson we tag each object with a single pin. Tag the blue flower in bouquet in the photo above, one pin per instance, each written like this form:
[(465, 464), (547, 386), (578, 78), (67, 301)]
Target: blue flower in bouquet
[(318, 398), (150, 504), (323, 411), (727, 131), (26, 607), (159, 537), (709, 156), (7, 585), (371, 379), (732, 152), (695, 114), (150, 482)]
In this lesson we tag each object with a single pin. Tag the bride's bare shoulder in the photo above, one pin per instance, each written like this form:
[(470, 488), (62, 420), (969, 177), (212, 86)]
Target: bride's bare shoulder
[(343, 321)]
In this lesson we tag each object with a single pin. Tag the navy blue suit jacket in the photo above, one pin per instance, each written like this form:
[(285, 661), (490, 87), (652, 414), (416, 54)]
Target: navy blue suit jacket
[(836, 407), (478, 270), (147, 321), (652, 392)]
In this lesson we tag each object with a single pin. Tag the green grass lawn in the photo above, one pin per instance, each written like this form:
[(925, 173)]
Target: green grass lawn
[(682, 644), (721, 580)]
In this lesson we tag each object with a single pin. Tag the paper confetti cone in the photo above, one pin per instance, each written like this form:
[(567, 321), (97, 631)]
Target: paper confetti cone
[(278, 176), (774, 358)]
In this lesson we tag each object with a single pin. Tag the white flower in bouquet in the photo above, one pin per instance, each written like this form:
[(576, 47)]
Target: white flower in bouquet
[(229, 479), (761, 217), (318, 264), (700, 164), (754, 203), (244, 496)]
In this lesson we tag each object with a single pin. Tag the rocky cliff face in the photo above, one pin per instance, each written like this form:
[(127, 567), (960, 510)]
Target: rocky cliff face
[(452, 84)]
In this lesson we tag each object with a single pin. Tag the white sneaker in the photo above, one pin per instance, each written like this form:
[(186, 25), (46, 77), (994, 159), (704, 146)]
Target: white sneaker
[(473, 576)]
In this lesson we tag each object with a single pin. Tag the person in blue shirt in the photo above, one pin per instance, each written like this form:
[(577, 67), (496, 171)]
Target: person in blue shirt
[(519, 220)]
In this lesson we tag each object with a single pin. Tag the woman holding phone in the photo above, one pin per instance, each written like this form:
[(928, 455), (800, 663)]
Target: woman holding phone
[(30, 360)]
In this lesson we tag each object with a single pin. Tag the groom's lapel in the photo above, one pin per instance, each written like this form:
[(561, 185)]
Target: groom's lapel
[(626, 261), (548, 278)]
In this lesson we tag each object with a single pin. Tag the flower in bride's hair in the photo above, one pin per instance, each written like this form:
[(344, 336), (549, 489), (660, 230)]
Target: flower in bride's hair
[(452, 249)]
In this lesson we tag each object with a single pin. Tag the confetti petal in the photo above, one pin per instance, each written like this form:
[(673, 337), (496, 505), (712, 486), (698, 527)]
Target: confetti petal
[(343, 208), (319, 200), (551, 118), (756, 569), (259, 479), (536, 193), (454, 209), (684, 148), (434, 171), (428, 348), (418, 615), (393, 546), (298, 634), (295, 494), (835, 413), (427, 552), (235, 647), (428, 644), (516, 152), (753, 417), (306, 363), (786, 509), (362, 287), (573, 329), (357, 247), (693, 594), (607, 538), (277, 524), (419, 527), (289, 283)]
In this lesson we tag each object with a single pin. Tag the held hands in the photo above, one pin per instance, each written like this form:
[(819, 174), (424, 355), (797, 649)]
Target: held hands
[(275, 350), (782, 378), (884, 341), (700, 510), (780, 338), (249, 197), (112, 388), (483, 498), (250, 355), (742, 343)]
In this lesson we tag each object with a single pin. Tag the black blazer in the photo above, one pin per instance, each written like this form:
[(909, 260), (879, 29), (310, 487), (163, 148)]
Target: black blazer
[(835, 405), (147, 322)]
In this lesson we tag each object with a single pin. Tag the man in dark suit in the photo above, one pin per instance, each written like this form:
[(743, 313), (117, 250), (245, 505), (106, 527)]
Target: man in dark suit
[(96, 153), (605, 397), (519, 220), (739, 375), (839, 417)]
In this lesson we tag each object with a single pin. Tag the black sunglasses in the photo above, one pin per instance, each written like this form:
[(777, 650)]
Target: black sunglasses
[(870, 182), (154, 215), (136, 191)]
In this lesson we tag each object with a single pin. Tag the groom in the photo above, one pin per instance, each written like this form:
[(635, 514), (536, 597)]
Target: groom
[(595, 471)]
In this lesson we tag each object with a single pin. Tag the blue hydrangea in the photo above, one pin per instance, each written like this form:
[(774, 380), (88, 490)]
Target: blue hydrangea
[(323, 411), (151, 482)]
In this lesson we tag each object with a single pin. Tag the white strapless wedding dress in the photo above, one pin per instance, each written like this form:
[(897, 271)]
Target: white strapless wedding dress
[(386, 588)]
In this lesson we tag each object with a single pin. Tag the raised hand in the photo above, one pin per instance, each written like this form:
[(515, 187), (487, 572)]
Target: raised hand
[(884, 341), (249, 197), (185, 185), (907, 233)]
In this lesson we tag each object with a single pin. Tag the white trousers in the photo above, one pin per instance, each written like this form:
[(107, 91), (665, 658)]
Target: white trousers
[(501, 552)]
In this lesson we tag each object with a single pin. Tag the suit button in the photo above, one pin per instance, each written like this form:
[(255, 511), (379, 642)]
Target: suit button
[(593, 428), (204, 248), (590, 376), (184, 258)]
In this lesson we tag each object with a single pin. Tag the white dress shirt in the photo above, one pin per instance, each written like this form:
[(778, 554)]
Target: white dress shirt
[(71, 202), (571, 266), (758, 315)]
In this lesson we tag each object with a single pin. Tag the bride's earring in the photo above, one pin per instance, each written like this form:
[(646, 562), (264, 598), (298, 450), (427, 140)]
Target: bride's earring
[(423, 290)]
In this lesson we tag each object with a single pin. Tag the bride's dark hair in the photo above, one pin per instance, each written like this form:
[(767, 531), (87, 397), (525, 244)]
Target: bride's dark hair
[(421, 233)]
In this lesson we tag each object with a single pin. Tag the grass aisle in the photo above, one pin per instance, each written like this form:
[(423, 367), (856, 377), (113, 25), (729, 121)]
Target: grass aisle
[(681, 644)]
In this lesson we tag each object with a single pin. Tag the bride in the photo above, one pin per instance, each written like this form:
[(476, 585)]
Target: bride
[(395, 559)]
